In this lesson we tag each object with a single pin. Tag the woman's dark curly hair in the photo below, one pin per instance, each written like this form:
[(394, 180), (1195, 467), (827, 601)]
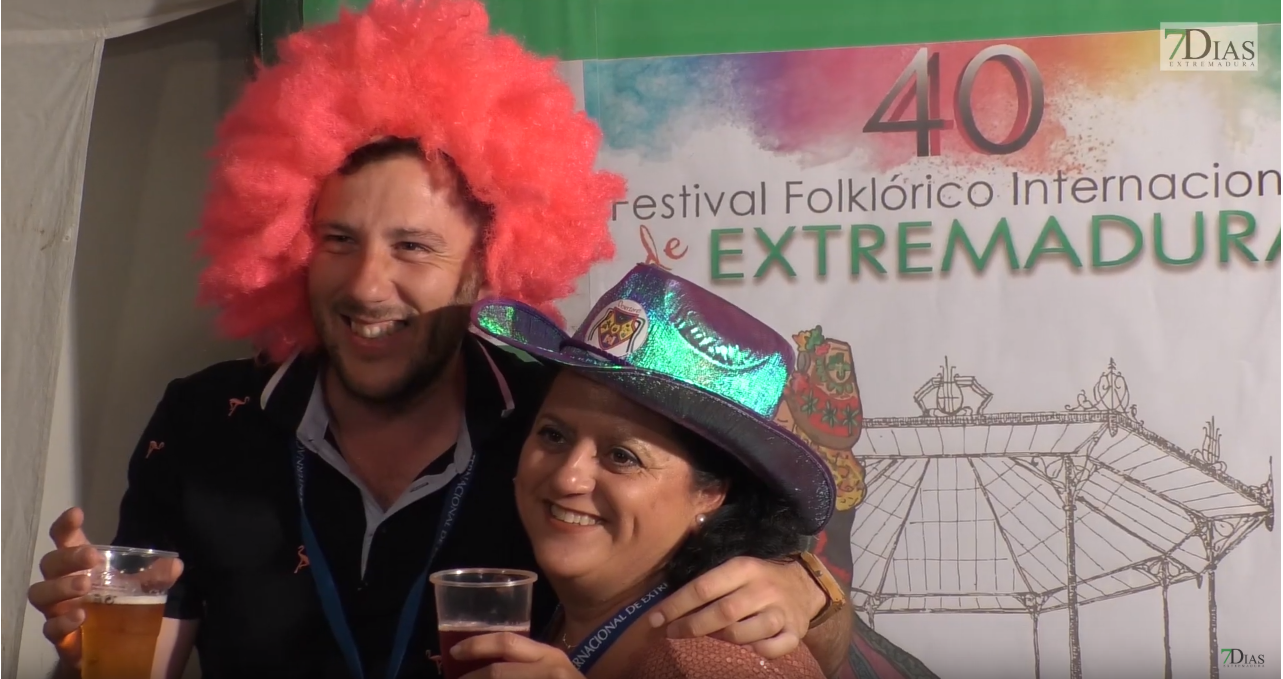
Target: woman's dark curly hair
[(753, 520)]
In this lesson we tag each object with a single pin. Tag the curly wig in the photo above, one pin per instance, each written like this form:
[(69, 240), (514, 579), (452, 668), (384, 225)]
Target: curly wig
[(428, 70)]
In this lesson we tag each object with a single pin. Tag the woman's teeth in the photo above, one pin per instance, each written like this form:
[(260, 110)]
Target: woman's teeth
[(375, 330), (567, 516)]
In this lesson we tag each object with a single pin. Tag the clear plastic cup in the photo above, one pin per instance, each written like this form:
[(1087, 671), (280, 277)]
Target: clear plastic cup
[(476, 601), (123, 612)]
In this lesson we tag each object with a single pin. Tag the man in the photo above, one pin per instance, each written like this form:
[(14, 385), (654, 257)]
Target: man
[(394, 167)]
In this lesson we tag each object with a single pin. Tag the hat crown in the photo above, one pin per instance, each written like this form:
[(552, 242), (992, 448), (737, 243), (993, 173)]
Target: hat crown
[(695, 329), (662, 323), (687, 354)]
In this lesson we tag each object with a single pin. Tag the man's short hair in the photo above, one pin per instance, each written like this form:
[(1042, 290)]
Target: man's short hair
[(481, 212)]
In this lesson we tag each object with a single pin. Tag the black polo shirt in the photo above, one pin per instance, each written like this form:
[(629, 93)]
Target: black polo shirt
[(212, 478)]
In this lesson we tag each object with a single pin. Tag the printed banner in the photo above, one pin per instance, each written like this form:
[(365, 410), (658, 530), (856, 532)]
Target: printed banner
[(1034, 290)]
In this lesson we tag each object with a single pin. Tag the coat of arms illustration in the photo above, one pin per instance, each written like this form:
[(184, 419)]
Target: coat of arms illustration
[(620, 328)]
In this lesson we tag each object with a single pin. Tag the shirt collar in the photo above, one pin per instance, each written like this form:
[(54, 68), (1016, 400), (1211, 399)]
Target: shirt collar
[(489, 399)]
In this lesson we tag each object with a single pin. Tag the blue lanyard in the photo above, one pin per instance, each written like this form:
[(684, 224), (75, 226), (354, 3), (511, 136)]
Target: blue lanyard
[(590, 651), (329, 592)]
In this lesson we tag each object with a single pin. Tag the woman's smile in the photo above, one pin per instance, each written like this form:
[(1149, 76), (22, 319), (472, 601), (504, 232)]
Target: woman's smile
[(571, 518)]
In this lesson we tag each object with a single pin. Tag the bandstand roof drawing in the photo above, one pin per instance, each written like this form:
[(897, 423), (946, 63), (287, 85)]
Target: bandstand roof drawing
[(969, 511)]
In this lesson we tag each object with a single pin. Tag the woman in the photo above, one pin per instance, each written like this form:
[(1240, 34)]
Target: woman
[(653, 459)]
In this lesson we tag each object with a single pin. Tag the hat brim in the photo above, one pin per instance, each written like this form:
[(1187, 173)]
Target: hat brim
[(782, 460)]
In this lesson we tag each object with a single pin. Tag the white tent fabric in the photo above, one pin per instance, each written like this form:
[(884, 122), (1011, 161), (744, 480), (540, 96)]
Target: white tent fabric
[(91, 20), (51, 53)]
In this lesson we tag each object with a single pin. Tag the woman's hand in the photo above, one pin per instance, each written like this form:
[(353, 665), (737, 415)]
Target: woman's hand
[(515, 657)]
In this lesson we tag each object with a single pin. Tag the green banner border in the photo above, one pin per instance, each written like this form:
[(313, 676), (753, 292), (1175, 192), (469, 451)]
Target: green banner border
[(618, 29)]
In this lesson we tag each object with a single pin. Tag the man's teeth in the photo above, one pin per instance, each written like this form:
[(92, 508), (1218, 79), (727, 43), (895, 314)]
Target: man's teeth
[(567, 516), (376, 330)]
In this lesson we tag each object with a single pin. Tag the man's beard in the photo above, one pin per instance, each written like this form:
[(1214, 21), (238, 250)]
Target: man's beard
[(447, 328)]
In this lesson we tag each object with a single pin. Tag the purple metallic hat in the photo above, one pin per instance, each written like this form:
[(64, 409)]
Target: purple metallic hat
[(691, 356)]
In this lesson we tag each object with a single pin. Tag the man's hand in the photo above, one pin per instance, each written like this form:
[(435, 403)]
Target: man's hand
[(57, 597), (762, 604)]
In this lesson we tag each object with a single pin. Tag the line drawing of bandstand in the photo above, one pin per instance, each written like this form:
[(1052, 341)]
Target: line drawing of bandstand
[(997, 513)]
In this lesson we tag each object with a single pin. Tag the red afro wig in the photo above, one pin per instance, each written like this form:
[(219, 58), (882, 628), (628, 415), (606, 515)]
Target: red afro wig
[(427, 70)]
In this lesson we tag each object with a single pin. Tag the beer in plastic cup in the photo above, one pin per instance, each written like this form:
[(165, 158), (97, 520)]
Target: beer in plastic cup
[(476, 601), (123, 611)]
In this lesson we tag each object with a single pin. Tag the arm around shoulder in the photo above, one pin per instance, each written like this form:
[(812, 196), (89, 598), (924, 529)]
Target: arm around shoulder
[(830, 642)]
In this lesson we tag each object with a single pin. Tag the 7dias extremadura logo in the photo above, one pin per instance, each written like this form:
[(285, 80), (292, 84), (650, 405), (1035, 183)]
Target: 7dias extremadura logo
[(1235, 657), (1207, 47)]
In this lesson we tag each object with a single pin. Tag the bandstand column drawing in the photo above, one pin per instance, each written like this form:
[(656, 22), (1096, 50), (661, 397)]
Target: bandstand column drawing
[(960, 507), (1167, 620), (1213, 649), (1162, 570), (1037, 650), (1069, 497)]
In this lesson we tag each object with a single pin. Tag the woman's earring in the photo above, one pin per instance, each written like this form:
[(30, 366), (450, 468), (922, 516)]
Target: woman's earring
[(700, 519)]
